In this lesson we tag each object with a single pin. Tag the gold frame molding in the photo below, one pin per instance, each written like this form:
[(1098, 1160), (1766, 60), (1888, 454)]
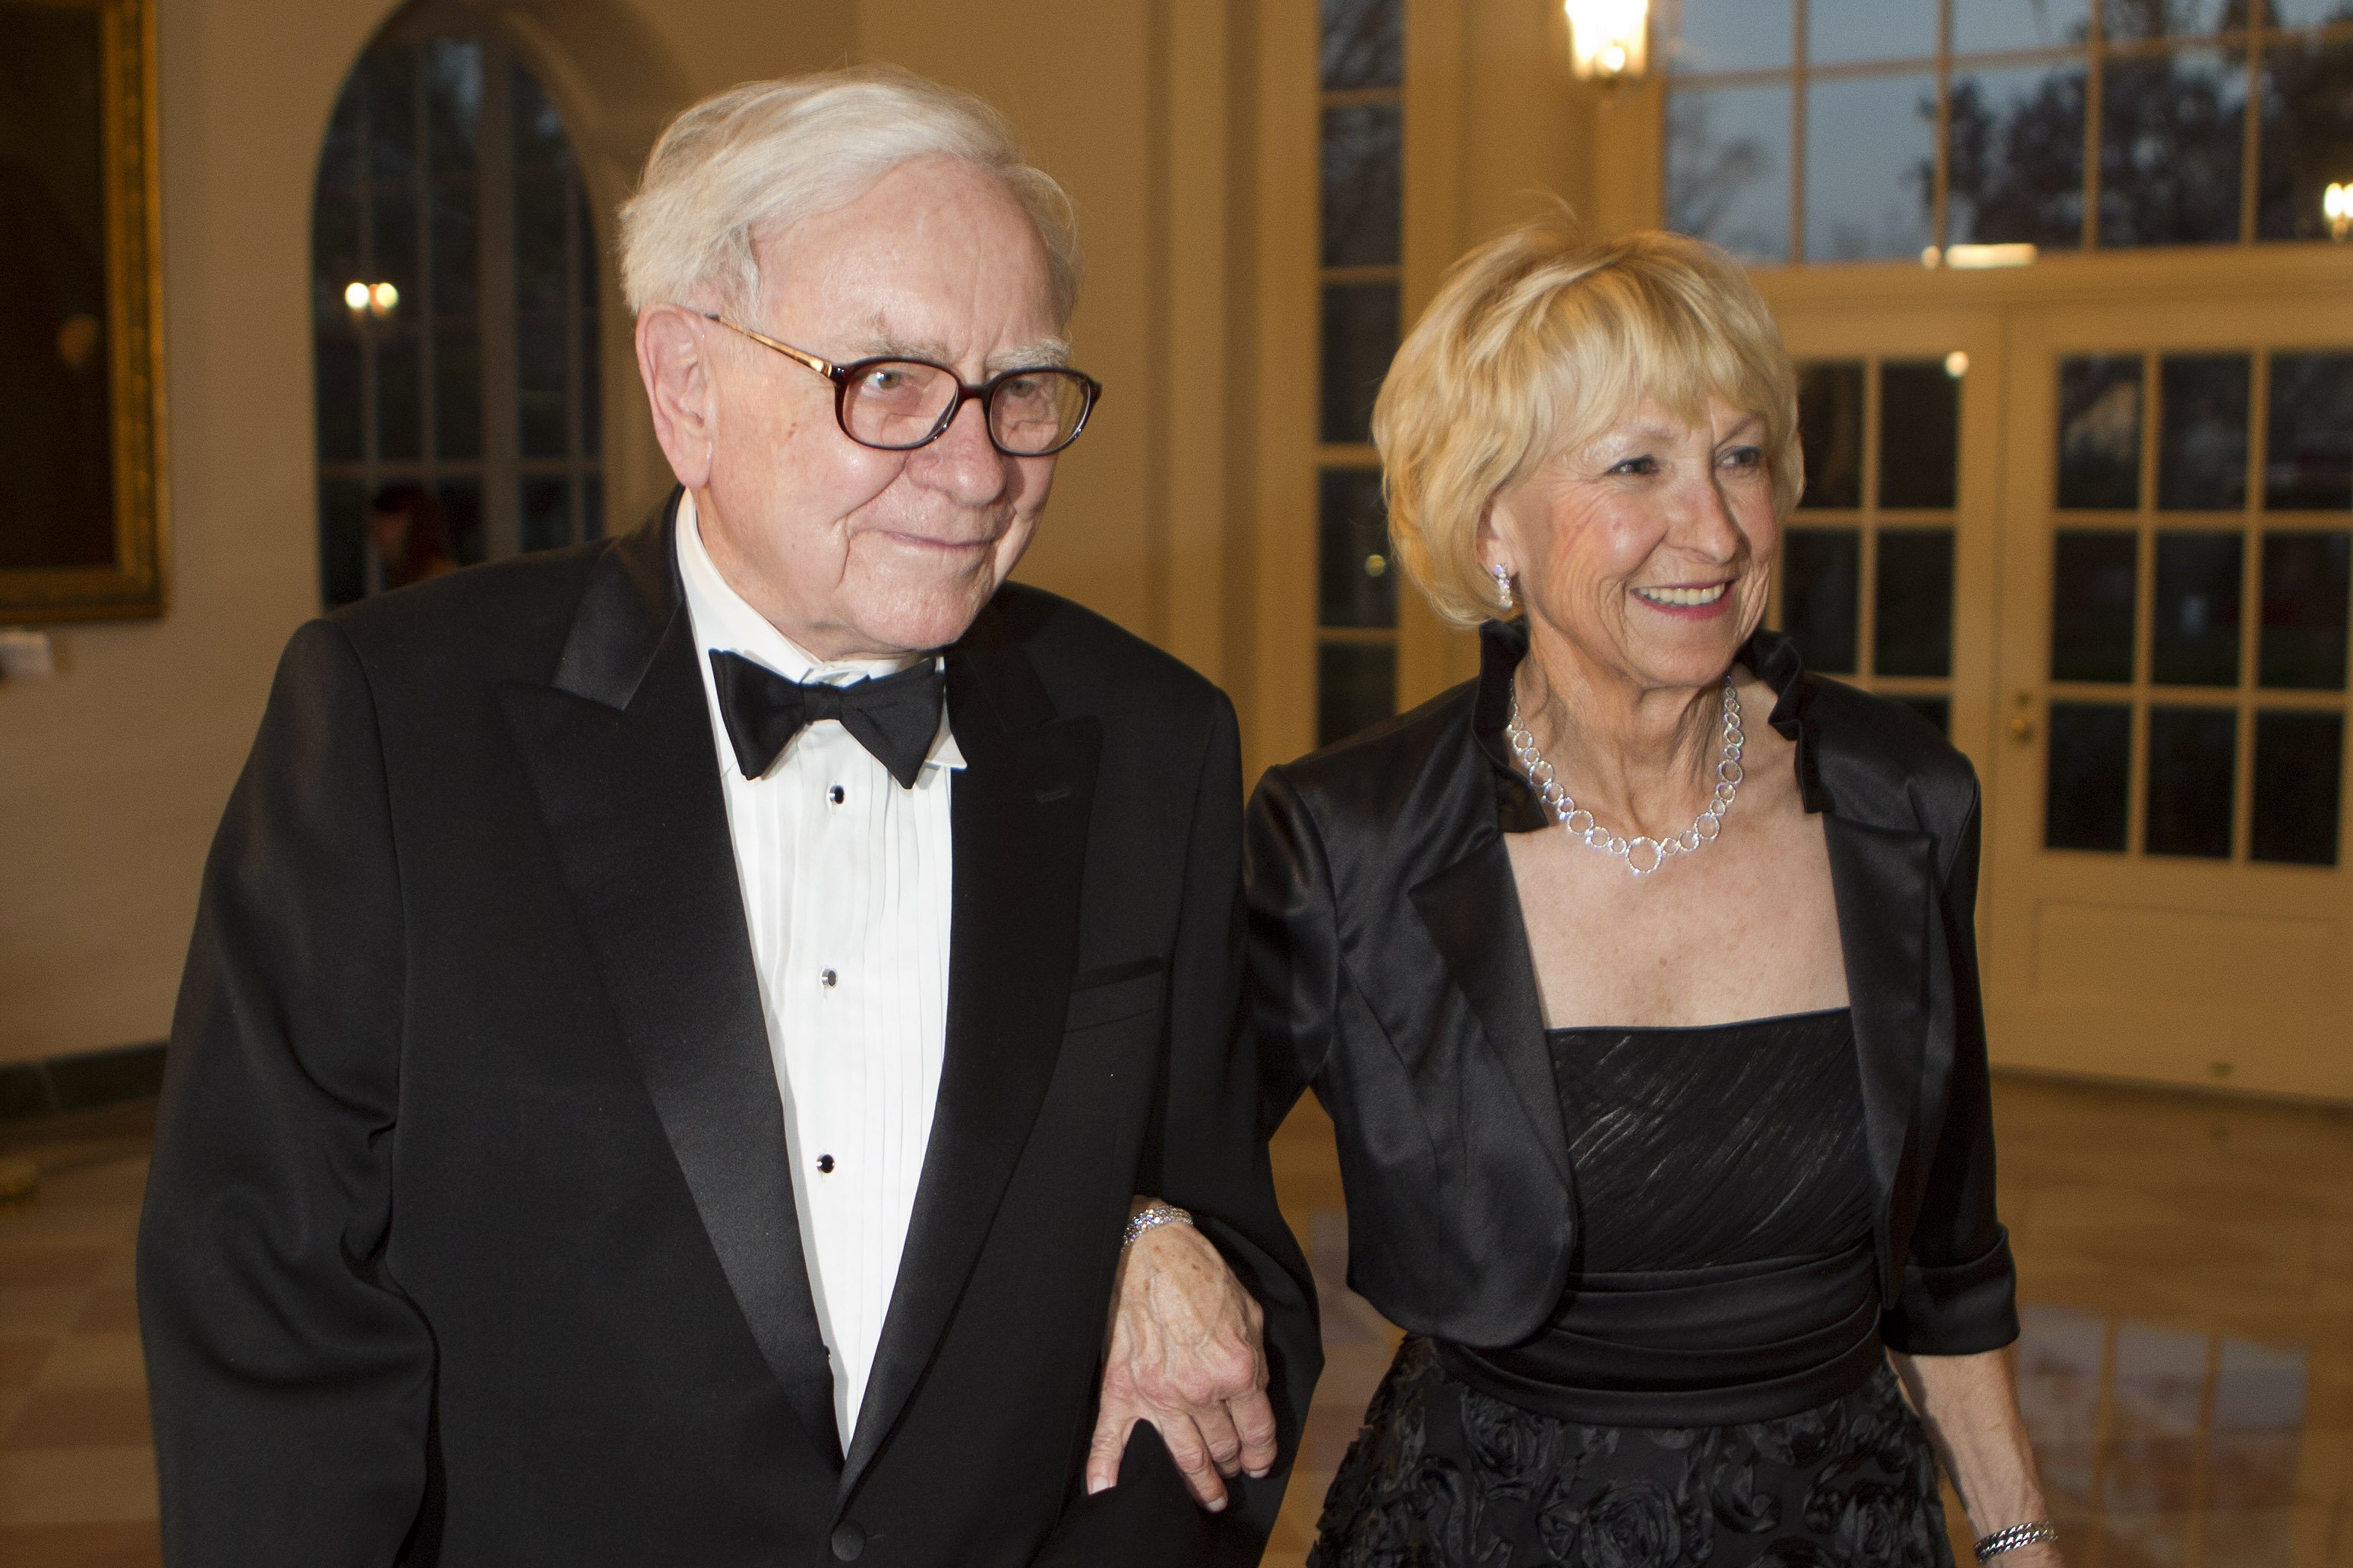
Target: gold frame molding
[(133, 587)]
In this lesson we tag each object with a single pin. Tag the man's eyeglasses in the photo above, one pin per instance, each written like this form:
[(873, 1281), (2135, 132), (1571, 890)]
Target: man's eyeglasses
[(898, 404)]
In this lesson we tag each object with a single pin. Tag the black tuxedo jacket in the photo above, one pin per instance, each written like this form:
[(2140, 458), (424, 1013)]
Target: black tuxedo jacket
[(469, 1238), (1390, 970)]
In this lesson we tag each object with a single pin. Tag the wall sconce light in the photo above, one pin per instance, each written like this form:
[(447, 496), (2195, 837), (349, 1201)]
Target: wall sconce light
[(379, 300), (1608, 40), (2337, 206)]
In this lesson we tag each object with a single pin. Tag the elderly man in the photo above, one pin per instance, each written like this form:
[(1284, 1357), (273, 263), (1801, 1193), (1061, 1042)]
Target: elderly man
[(676, 1029)]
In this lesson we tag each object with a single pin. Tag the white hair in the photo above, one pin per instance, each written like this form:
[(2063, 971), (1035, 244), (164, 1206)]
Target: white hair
[(750, 162)]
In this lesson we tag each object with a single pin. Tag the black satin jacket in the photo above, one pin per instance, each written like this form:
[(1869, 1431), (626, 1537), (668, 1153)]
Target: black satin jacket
[(1390, 972)]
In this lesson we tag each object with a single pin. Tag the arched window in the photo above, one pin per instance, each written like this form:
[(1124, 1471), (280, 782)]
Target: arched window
[(454, 284)]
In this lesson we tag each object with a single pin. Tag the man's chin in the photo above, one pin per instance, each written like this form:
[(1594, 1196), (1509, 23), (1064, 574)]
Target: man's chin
[(929, 619)]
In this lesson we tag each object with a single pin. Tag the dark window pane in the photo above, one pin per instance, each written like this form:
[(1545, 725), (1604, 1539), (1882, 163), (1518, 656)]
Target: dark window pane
[(1359, 581), (1913, 623), (2308, 14), (2093, 581), (458, 389), (2099, 431), (2202, 450), (461, 502), (1937, 711), (391, 75), (1870, 166), (1364, 44), (2304, 585), (1830, 433), (2173, 127), (2014, 151), (338, 393), (542, 390), (1842, 30), (2163, 18), (1822, 571), (453, 102), (339, 154), (399, 395), (1994, 25), (546, 513), (541, 262), (1728, 168), (2308, 450), (343, 542), (2084, 796), (2307, 135), (2299, 768), (592, 394), (1919, 434), (2195, 620), (1360, 338), (1362, 160), (1355, 686), (540, 145), (457, 248), (1730, 35), (2191, 753)]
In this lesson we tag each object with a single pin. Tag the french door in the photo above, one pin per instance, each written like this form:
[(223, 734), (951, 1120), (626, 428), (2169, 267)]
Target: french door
[(2167, 892), (2107, 542)]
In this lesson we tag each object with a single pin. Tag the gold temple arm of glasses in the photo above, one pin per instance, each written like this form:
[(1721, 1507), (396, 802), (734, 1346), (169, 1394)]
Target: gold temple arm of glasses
[(823, 367)]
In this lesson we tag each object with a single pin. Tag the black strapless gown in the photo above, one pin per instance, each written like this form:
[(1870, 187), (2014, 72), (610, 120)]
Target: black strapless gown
[(1713, 1389)]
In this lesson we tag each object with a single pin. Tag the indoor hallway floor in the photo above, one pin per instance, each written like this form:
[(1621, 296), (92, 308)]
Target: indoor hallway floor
[(2186, 1267)]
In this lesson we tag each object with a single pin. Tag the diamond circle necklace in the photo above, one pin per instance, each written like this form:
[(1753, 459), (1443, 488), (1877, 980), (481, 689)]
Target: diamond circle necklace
[(1642, 854)]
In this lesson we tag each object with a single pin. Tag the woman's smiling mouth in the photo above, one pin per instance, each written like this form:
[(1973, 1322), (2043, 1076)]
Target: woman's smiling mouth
[(1683, 598)]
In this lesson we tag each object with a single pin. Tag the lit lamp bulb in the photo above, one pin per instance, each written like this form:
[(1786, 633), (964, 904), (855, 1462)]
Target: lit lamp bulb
[(2337, 206), (383, 298), (1607, 40), (355, 295)]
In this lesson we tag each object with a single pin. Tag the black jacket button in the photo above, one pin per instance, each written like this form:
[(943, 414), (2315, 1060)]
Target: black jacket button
[(848, 1541)]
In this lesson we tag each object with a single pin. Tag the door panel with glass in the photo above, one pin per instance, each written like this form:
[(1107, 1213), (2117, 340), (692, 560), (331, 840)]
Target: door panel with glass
[(2166, 897)]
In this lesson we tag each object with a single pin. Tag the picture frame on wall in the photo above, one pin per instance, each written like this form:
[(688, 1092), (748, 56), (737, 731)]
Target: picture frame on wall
[(81, 501)]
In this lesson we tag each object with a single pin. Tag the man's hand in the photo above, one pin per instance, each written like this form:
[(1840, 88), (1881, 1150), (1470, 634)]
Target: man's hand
[(1186, 1355)]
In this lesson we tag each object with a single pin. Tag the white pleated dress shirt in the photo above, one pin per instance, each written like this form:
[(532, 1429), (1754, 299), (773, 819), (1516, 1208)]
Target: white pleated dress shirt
[(847, 879)]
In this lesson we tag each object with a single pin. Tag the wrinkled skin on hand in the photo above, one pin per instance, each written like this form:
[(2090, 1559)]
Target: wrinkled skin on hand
[(1186, 1354)]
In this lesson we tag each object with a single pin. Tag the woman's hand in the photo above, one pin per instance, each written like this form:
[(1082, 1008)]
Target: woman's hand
[(1969, 1406), (1185, 1355)]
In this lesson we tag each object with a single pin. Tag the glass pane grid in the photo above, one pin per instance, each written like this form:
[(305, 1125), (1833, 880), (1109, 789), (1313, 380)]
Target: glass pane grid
[(2198, 658), (2205, 133), (1360, 278), (1866, 588)]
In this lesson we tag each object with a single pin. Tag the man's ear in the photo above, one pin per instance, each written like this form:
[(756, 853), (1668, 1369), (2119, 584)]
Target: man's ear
[(672, 361)]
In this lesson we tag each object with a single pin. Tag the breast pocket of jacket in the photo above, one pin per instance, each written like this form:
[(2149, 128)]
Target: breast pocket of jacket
[(1120, 999)]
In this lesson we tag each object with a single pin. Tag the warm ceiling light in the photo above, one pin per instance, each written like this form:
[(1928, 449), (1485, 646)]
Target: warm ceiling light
[(383, 298), (1972, 257), (1957, 364), (1608, 40), (355, 295), (2337, 206)]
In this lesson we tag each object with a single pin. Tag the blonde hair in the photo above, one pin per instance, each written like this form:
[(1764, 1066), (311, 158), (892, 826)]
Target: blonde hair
[(1537, 341), (753, 160)]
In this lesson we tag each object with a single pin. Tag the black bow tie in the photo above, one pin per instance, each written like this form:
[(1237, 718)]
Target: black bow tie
[(896, 718)]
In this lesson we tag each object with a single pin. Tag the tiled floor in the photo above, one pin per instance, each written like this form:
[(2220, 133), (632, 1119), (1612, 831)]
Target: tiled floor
[(2187, 1364)]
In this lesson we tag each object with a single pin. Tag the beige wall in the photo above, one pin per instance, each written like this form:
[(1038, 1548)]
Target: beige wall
[(113, 772)]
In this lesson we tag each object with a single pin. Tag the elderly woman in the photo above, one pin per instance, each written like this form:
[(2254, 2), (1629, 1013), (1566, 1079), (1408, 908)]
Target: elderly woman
[(1637, 978)]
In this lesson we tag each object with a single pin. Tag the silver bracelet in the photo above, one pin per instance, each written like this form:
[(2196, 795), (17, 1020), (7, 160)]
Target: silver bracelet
[(1990, 1547), (1150, 1218)]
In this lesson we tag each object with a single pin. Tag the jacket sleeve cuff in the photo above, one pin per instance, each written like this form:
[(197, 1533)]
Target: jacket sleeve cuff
[(1957, 1309)]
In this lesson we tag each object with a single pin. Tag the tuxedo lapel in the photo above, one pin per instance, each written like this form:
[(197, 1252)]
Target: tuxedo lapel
[(1020, 810), (1883, 880), (619, 749), (1472, 912)]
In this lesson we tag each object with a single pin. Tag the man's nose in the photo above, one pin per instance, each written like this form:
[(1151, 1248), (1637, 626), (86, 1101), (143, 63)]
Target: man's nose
[(964, 462)]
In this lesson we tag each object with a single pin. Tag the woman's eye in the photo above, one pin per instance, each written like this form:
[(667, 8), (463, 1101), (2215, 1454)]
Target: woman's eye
[(1644, 465), (1744, 458)]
